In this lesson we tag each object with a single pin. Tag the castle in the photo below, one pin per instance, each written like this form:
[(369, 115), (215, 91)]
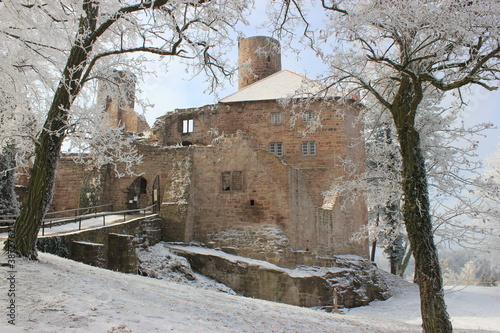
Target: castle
[(236, 174)]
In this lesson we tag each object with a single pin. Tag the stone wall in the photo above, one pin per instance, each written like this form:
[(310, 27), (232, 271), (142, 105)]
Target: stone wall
[(122, 254), (355, 279), (272, 193)]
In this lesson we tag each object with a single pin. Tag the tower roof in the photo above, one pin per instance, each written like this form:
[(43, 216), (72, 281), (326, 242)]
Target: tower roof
[(283, 84)]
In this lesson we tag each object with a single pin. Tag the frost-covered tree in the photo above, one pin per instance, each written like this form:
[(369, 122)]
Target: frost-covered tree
[(8, 198), (395, 51), (52, 50), (458, 185)]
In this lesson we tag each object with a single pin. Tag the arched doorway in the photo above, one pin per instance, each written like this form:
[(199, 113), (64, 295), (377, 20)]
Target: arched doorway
[(136, 192)]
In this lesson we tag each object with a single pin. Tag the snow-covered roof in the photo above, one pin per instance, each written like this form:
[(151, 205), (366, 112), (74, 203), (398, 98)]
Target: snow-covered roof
[(283, 84)]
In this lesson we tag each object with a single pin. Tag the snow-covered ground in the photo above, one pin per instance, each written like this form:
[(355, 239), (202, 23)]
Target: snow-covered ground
[(60, 295)]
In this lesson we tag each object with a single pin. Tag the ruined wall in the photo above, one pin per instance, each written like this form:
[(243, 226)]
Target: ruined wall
[(122, 115), (255, 119), (116, 96)]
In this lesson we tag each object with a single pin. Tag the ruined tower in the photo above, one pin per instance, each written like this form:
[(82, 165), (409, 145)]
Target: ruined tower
[(258, 57), (117, 98)]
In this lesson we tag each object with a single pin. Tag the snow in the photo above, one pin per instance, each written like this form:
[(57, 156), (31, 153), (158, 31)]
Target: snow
[(60, 295), (470, 307), (160, 262), (283, 84)]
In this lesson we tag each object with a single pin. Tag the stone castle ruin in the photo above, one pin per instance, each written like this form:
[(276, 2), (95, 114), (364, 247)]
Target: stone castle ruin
[(236, 175)]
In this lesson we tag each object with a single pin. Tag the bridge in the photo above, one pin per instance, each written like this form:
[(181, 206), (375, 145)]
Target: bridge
[(78, 219)]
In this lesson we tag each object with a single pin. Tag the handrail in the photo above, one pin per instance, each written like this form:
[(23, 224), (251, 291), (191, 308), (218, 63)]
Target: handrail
[(82, 217), (79, 209), (57, 212), (50, 222)]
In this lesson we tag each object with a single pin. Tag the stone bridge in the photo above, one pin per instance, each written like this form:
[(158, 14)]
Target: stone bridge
[(111, 246)]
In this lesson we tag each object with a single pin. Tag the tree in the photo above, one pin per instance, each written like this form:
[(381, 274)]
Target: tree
[(396, 51), (8, 198), (56, 48), (457, 181)]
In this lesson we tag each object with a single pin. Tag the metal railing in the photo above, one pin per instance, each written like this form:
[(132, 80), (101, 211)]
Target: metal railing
[(9, 219), (77, 210), (52, 222)]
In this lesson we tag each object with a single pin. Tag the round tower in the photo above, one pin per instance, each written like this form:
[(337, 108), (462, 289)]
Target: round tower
[(258, 57)]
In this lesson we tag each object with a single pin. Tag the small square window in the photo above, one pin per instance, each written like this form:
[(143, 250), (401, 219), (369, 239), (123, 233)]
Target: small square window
[(187, 126), (275, 117), (276, 148), (307, 116), (308, 148)]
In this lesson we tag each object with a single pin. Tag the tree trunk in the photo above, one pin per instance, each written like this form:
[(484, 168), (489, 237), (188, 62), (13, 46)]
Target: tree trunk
[(404, 263), (395, 247), (416, 212), (41, 184), (38, 197)]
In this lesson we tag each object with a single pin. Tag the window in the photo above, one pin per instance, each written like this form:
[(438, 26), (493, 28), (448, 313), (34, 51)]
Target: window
[(237, 180), (232, 180), (307, 116), (275, 117), (187, 126), (276, 148), (308, 148)]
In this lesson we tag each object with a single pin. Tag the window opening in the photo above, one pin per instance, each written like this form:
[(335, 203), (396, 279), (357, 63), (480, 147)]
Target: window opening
[(232, 180), (252, 202), (226, 181), (276, 148), (307, 116), (187, 126), (308, 148), (275, 117)]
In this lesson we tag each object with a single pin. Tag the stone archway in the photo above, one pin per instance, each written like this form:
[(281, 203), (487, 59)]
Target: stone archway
[(136, 197)]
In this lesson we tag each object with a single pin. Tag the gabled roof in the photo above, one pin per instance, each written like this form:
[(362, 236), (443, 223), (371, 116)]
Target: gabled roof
[(283, 84)]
